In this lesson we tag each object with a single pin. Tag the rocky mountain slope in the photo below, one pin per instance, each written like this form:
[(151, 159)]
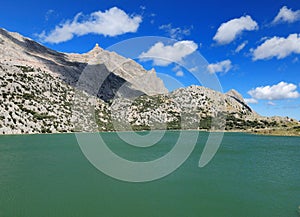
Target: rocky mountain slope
[(38, 94), (115, 70)]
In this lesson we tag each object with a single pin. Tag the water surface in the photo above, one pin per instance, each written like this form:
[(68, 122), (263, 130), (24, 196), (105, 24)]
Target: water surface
[(251, 175)]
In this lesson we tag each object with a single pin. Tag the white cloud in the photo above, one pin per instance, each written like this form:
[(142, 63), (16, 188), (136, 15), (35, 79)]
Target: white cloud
[(163, 55), (176, 33), (271, 103), (251, 101), (177, 69), (179, 73), (228, 31), (143, 7), (49, 13), (286, 15), (241, 47), (112, 22), (194, 69), (278, 47), (152, 15), (223, 66), (279, 91)]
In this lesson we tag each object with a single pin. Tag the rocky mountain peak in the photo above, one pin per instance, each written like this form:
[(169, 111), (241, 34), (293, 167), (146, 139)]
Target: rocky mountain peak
[(96, 50), (118, 70)]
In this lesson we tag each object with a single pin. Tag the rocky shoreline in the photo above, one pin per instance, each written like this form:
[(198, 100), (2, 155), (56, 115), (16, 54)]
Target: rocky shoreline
[(264, 132)]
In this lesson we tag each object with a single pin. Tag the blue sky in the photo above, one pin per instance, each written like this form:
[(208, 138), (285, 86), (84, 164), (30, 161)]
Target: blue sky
[(251, 46)]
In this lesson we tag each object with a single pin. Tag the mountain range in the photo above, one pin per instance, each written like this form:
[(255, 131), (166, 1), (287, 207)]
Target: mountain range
[(44, 91)]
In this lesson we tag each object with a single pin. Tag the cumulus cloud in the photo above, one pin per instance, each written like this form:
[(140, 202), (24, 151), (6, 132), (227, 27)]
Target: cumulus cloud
[(278, 91), (176, 33), (180, 73), (223, 66), (177, 69), (241, 47), (163, 55), (278, 47), (251, 101), (111, 23), (194, 69), (271, 103), (286, 15), (228, 31)]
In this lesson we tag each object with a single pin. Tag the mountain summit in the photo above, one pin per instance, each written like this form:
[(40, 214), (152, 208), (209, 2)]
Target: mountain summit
[(18, 50)]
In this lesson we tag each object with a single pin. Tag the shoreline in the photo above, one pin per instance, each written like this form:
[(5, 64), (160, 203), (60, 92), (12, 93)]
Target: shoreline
[(262, 132)]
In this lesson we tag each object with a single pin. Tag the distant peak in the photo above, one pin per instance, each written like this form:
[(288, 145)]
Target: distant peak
[(152, 71), (96, 49)]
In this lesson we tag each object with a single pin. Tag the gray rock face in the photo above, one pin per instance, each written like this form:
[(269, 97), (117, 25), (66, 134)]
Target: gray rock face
[(233, 93), (18, 50), (134, 75)]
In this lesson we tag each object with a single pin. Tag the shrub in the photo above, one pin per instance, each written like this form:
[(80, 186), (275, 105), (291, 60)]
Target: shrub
[(25, 68)]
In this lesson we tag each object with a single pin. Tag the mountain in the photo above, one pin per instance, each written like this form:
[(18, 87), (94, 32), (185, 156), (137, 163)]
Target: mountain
[(194, 107), (17, 50), (41, 91)]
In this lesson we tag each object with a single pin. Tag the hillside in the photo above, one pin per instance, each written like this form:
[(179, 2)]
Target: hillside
[(38, 86)]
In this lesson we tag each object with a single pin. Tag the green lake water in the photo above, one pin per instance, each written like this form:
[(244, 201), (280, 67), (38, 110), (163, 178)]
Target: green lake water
[(250, 176)]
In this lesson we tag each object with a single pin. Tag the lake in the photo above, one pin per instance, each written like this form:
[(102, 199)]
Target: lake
[(251, 175)]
